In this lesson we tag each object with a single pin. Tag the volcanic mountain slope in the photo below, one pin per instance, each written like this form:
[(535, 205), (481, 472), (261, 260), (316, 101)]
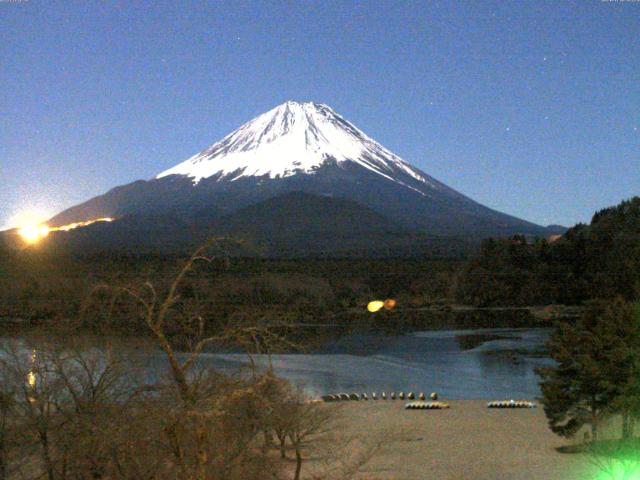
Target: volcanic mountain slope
[(302, 147), (293, 224), (299, 224)]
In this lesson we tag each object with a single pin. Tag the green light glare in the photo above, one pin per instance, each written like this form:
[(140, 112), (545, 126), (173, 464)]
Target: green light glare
[(620, 470)]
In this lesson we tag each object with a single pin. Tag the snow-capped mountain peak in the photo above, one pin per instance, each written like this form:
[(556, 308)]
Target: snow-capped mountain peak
[(292, 138), (301, 148)]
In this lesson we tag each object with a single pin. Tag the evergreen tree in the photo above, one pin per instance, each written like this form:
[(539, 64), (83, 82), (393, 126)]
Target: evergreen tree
[(597, 369), (627, 375)]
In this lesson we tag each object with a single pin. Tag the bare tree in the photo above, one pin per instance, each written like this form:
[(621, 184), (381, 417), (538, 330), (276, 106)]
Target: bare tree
[(37, 394), (85, 411), (204, 411), (6, 407), (307, 421)]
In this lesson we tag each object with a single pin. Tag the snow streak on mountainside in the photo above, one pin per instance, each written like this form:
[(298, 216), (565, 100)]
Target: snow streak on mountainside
[(295, 138), (306, 148)]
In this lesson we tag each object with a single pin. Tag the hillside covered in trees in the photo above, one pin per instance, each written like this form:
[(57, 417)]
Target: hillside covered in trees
[(599, 260)]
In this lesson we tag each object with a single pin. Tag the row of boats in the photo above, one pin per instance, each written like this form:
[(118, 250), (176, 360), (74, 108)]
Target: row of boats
[(494, 404), (374, 396), (421, 404), (511, 404), (426, 405)]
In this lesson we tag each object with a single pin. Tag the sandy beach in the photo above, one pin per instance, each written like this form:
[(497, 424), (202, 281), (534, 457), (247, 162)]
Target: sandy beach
[(467, 441)]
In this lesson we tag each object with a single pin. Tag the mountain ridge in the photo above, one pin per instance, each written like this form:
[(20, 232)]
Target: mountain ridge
[(291, 225), (305, 147)]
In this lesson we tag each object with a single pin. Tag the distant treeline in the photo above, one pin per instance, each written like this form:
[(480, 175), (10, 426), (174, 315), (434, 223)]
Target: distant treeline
[(590, 261), (39, 287), (599, 260)]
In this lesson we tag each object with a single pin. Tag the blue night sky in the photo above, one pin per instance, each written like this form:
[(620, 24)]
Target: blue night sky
[(531, 108)]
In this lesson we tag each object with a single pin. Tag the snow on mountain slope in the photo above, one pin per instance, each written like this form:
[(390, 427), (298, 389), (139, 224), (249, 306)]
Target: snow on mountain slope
[(300, 147), (295, 138)]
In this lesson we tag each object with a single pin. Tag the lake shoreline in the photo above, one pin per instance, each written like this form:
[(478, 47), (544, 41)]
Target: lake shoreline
[(459, 364), (446, 317)]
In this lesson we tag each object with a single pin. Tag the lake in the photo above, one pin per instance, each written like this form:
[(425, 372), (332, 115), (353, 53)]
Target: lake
[(458, 364), (488, 363)]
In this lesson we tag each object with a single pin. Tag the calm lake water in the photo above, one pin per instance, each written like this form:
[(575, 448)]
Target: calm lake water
[(458, 364), (487, 363)]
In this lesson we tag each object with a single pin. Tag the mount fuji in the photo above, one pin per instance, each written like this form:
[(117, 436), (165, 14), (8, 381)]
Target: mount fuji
[(295, 138), (304, 148)]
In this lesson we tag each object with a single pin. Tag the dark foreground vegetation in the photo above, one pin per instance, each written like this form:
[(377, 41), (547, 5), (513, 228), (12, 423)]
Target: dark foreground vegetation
[(597, 370), (596, 383), (71, 410)]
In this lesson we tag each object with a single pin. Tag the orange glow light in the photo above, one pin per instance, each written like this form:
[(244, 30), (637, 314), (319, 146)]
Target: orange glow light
[(33, 233), (389, 304)]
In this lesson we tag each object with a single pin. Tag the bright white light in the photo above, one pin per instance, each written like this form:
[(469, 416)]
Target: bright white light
[(375, 305), (31, 379), (33, 233)]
